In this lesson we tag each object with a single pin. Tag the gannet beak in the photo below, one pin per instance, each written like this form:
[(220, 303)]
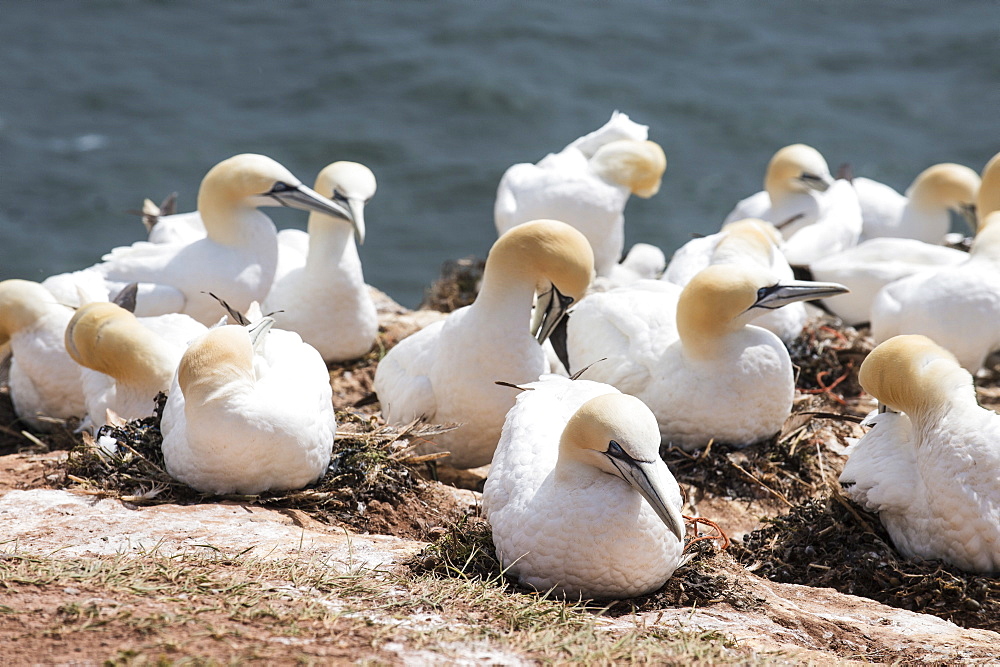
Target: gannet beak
[(816, 181), (303, 198), (968, 212), (648, 478), (258, 331), (549, 310), (791, 291), (357, 208)]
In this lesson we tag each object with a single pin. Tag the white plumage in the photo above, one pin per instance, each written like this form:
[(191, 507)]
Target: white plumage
[(44, 380), (930, 468), (249, 410), (921, 214), (126, 361), (237, 258), (319, 289), (578, 497), (446, 371), (691, 354), (750, 241), (587, 185)]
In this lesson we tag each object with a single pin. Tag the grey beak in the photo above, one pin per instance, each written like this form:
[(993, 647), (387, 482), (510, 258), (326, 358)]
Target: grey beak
[(968, 212), (649, 479), (792, 291), (816, 182), (357, 208), (258, 332), (305, 199), (549, 310)]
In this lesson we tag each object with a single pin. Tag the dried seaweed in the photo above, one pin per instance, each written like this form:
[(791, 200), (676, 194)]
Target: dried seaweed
[(457, 285), (462, 548), (827, 358), (830, 542)]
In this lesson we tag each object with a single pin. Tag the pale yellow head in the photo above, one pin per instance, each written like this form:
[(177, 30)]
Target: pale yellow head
[(750, 237), (636, 165), (351, 184), (915, 375), (988, 201), (544, 251), (107, 338), (235, 182), (22, 302), (946, 185), (219, 357), (795, 169)]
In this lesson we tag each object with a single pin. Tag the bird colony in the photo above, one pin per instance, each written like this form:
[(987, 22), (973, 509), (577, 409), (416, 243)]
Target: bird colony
[(575, 364)]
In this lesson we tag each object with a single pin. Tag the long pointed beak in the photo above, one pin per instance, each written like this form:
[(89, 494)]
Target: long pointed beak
[(792, 291), (305, 199), (968, 212), (649, 479), (818, 182), (357, 208), (258, 332), (549, 310)]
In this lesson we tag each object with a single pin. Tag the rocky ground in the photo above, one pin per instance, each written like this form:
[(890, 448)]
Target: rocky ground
[(109, 561)]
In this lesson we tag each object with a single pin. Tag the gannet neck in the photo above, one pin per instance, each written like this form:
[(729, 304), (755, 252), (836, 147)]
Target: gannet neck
[(636, 165), (915, 375), (22, 303), (796, 169), (533, 256), (988, 201), (221, 358), (226, 196), (986, 243), (109, 339), (945, 186)]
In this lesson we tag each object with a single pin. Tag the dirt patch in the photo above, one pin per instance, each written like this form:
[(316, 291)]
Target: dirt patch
[(830, 542), (457, 286)]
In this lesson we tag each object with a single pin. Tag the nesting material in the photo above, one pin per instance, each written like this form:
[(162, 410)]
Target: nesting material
[(457, 285)]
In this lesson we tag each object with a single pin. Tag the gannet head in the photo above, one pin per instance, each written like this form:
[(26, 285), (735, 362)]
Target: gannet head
[(722, 298), (988, 201), (913, 374), (947, 186), (249, 180), (107, 338), (618, 434), (636, 165), (220, 357), (555, 257), (796, 168), (22, 302), (350, 184), (749, 237)]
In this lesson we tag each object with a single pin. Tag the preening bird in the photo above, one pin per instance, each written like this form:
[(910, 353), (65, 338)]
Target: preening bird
[(578, 498), (930, 463), (445, 372)]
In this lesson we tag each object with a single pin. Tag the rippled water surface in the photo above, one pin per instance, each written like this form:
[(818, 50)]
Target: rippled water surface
[(104, 103)]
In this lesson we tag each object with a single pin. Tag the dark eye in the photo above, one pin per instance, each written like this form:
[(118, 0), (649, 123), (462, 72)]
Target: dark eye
[(806, 176), (615, 451), (282, 187), (338, 196)]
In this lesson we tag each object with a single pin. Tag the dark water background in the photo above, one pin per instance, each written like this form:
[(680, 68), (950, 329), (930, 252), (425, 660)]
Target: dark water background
[(103, 103)]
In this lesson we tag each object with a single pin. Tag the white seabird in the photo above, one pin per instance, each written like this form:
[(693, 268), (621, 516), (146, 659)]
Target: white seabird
[(445, 372), (236, 260), (320, 293), (587, 185), (249, 410), (578, 498), (692, 355), (929, 465), (44, 380)]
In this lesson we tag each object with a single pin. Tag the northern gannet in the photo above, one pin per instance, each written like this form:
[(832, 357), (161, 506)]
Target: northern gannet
[(752, 241), (321, 294), (871, 265), (126, 361), (237, 258), (578, 497), (815, 214), (445, 372), (691, 355), (956, 306), (44, 380), (587, 185), (249, 410), (929, 465), (922, 213)]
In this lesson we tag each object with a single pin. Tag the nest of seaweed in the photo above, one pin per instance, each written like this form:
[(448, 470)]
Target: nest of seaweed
[(465, 549), (370, 462), (831, 542), (457, 286), (827, 357)]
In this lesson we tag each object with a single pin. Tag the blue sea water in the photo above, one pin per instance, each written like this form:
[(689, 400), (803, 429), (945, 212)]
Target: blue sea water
[(106, 102)]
